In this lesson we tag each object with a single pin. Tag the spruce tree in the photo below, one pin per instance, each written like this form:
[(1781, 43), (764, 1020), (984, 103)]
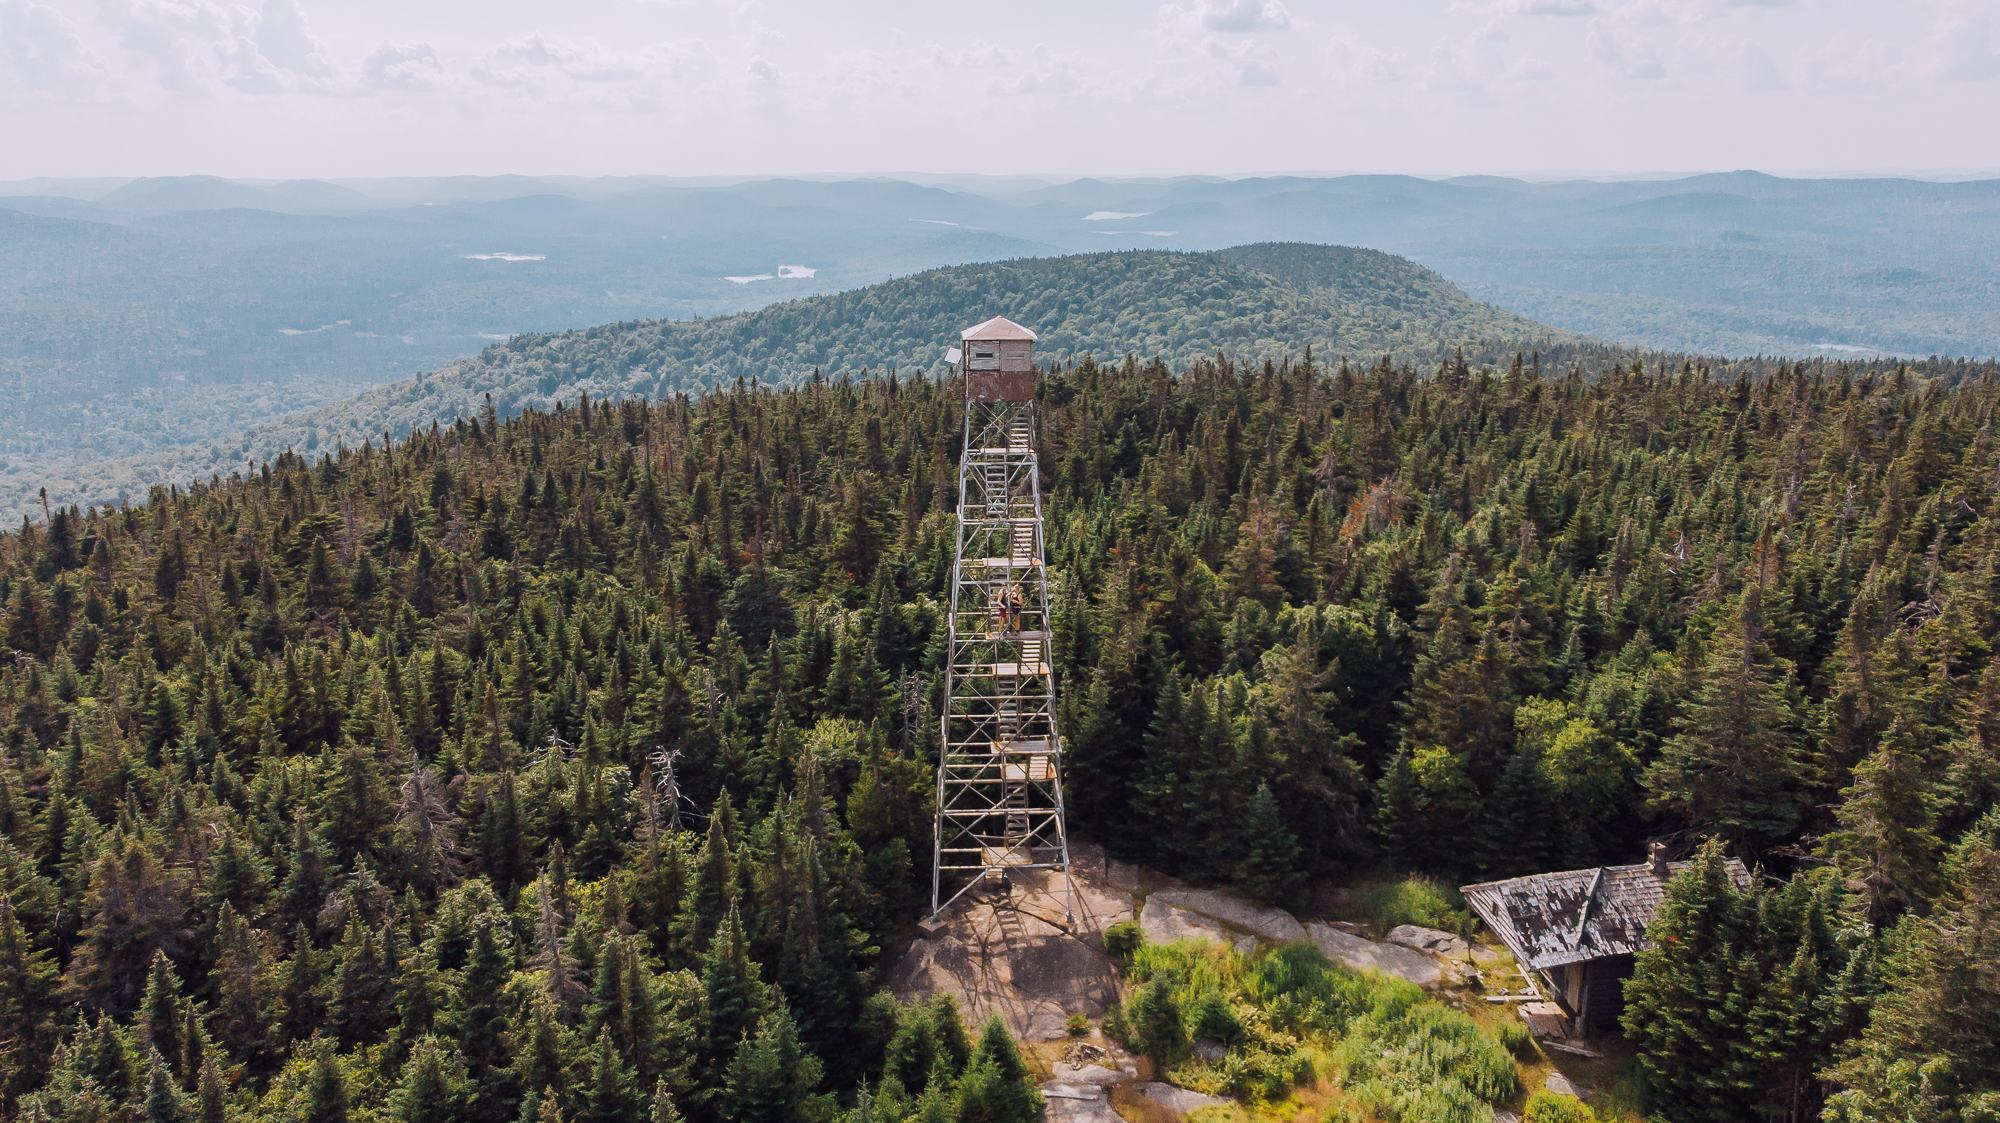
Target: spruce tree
[(164, 1102), (996, 1086), (607, 1094), (1931, 1049), (478, 1013), (1687, 1004), (326, 1099), (28, 1009), (1270, 870), (1733, 770), (771, 1078), (431, 1091)]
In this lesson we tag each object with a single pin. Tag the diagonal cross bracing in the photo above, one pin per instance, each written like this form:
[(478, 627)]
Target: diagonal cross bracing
[(999, 788)]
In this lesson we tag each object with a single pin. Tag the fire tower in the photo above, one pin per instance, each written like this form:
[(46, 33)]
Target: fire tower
[(999, 790)]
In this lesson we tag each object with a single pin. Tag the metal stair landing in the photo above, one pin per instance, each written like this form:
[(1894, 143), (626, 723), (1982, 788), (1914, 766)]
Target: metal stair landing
[(999, 791)]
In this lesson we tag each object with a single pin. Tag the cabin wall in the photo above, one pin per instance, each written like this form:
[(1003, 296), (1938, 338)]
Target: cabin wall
[(1593, 991), (1606, 983)]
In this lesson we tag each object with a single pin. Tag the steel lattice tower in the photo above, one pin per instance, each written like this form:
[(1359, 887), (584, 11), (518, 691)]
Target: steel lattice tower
[(999, 790)]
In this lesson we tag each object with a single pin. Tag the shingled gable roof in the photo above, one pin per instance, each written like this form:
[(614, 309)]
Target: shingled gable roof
[(999, 327), (1554, 919)]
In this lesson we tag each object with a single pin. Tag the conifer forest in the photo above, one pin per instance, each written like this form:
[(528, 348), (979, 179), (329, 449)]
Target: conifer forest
[(578, 764)]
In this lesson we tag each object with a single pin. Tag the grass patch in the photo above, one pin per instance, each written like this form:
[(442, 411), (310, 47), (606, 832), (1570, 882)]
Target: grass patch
[(1296, 1024), (1413, 900), (1518, 1040), (1410, 1060)]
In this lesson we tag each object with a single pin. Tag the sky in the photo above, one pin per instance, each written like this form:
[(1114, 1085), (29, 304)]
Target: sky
[(360, 88)]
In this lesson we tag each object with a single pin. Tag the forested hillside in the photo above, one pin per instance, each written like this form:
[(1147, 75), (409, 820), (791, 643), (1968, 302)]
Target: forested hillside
[(336, 791), (1256, 302)]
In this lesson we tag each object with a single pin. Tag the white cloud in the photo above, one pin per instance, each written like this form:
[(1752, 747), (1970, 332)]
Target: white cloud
[(42, 53), (533, 59), (1530, 7), (583, 71), (1254, 63), (1484, 66), (1042, 71), (196, 45), (1756, 71), (1629, 56), (403, 66), (764, 71), (284, 40), (1963, 47), (1350, 61), (1242, 15), (979, 53)]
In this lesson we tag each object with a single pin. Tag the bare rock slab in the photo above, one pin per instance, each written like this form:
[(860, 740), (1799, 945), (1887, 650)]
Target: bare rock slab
[(1066, 1103), (1562, 1086), (997, 959), (1176, 1099), (1164, 922), (1367, 955), (1096, 1075), (1427, 939), (1266, 923)]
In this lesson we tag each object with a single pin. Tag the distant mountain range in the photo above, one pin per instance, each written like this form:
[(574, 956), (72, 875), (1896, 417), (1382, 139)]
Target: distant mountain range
[(150, 313), (1250, 303)]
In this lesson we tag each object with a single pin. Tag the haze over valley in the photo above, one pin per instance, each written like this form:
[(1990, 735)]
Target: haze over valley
[(1153, 561), (153, 313)]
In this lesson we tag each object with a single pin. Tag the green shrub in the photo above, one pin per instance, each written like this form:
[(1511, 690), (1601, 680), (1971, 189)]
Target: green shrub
[(1114, 1026), (1300, 990), (1547, 1107), (1409, 1059), (1516, 1039), (1249, 1074), (1077, 1025), (1219, 1113), (1153, 1020), (1210, 1017), (1194, 965), (1413, 900), (1122, 940), (996, 1087)]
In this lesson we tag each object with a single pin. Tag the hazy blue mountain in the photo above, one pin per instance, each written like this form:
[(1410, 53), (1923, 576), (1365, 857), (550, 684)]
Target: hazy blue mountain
[(1265, 301), (157, 311)]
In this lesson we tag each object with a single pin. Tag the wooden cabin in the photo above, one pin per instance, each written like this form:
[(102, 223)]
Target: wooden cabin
[(1579, 929), (999, 361)]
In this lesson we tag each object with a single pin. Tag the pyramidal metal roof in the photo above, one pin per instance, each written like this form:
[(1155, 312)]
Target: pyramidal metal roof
[(999, 327), (1552, 919)]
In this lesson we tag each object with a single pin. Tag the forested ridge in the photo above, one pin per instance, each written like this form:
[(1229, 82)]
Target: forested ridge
[(1252, 302), (336, 791)]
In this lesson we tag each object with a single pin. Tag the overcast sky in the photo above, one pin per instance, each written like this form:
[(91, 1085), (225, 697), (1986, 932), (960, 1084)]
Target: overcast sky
[(327, 88)]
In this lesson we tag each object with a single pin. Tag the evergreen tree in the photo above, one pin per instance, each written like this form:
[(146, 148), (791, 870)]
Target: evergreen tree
[(1690, 995), (326, 1089), (996, 1086), (28, 1009), (1931, 1049), (607, 1093), (479, 1014), (1885, 843), (737, 997), (211, 1095), (1733, 769), (1427, 809), (771, 1078), (1270, 870), (431, 1090)]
